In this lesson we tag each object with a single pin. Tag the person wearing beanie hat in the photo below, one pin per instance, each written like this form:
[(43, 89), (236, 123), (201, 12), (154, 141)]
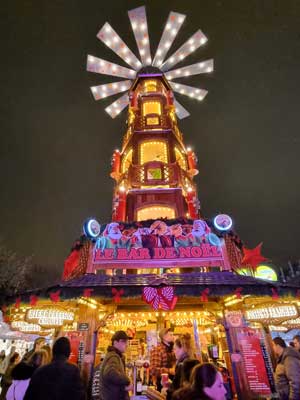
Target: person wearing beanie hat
[(162, 357), (114, 384), (58, 380)]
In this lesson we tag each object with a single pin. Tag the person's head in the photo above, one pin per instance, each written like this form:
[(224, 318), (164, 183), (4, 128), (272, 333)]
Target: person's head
[(182, 346), (119, 340), (187, 367), (296, 341), (39, 343), (61, 348), (48, 350), (15, 358), (207, 382), (166, 336), (39, 358), (278, 345)]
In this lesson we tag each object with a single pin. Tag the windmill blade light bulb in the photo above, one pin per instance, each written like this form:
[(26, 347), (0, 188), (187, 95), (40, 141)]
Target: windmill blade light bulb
[(138, 21)]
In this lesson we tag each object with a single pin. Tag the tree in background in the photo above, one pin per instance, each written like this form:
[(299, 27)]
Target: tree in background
[(20, 273)]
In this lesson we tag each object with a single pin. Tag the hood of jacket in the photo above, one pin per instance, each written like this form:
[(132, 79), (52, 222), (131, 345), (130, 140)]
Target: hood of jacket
[(289, 352), (114, 350)]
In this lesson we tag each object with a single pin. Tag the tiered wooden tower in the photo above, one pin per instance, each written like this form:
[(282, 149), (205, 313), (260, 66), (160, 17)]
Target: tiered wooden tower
[(154, 170)]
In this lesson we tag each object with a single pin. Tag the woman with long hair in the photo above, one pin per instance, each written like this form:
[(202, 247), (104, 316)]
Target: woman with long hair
[(206, 384), (183, 350)]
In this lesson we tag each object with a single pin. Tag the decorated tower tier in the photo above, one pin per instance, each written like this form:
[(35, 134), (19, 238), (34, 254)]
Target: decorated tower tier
[(156, 223), (154, 170)]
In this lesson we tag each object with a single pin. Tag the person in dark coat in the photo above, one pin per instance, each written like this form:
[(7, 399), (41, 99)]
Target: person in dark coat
[(58, 380), (183, 351), (114, 384), (287, 371), (7, 377)]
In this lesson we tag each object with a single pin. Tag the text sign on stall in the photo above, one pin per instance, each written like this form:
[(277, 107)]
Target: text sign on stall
[(270, 313), (255, 368), (158, 246), (49, 316)]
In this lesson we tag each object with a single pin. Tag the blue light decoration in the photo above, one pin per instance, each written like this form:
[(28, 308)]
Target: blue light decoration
[(223, 222), (213, 239), (91, 228)]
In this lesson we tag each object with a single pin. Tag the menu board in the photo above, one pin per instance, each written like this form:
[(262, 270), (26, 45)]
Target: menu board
[(255, 369)]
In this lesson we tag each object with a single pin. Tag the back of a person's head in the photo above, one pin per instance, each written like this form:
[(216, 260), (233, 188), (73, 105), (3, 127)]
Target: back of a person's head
[(279, 341), (39, 358), (22, 371), (187, 367), (184, 342), (202, 376), (61, 348)]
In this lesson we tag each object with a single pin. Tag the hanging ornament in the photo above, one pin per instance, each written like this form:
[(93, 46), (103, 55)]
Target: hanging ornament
[(87, 292), (204, 295), (253, 257), (117, 294), (33, 300), (54, 296), (160, 298), (18, 302), (238, 292), (275, 295)]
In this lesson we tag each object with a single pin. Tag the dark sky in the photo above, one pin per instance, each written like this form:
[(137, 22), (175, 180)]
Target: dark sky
[(56, 141)]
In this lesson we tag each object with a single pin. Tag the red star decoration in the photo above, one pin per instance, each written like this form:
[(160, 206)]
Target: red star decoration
[(253, 257)]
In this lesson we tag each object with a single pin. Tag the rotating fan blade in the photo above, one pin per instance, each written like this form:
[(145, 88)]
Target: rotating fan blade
[(108, 36), (194, 69), (139, 26), (117, 106), (190, 91), (173, 24), (180, 110), (192, 44), (103, 91), (104, 67)]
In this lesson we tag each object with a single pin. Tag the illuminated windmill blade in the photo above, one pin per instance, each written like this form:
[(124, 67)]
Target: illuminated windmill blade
[(117, 106), (194, 69), (190, 91), (194, 42), (180, 110), (100, 66), (102, 91), (139, 26), (108, 36), (174, 22)]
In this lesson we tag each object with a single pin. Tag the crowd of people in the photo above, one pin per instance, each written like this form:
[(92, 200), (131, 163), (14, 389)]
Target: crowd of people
[(45, 373), (42, 374), (189, 380)]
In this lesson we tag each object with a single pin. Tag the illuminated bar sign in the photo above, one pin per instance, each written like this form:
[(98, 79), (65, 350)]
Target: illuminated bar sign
[(49, 316), (160, 245), (24, 326), (272, 312)]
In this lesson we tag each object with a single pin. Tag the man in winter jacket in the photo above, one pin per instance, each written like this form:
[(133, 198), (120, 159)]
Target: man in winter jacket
[(287, 372), (114, 384), (58, 380)]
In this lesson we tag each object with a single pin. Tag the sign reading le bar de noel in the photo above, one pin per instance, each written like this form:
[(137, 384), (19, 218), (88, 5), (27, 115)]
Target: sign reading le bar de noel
[(158, 246)]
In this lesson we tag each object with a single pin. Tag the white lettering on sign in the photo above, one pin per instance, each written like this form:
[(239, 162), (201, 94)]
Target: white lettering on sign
[(272, 312), (50, 317)]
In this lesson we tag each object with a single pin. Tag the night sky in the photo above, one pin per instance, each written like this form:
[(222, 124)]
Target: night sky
[(56, 141)]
